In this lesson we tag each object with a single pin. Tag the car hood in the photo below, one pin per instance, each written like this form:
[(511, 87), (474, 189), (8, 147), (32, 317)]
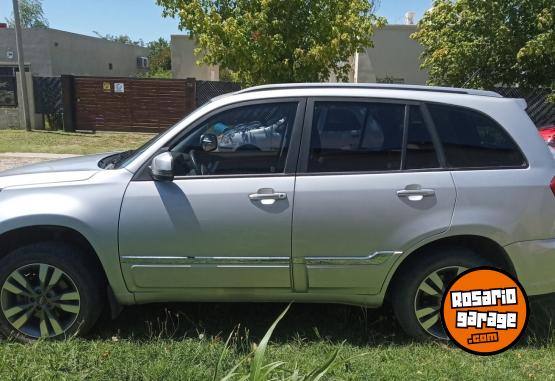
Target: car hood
[(79, 163), (71, 169)]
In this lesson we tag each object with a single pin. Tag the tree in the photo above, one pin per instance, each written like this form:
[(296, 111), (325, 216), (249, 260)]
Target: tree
[(160, 59), (268, 41), (477, 43), (122, 38), (31, 14)]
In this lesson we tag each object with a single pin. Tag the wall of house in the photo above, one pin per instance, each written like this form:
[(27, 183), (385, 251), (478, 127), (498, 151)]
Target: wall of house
[(184, 61), (35, 48), (83, 55), (394, 58), (52, 53), (10, 117)]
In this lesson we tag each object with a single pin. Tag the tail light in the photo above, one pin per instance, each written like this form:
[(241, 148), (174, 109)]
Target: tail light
[(552, 185)]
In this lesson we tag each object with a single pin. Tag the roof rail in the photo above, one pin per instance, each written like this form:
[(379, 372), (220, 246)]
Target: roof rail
[(379, 86)]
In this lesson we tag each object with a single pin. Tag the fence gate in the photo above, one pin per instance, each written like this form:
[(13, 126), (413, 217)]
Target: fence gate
[(130, 104), (48, 99), (207, 90)]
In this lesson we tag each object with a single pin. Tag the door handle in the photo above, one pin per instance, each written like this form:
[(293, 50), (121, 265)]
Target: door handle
[(267, 194), (416, 194)]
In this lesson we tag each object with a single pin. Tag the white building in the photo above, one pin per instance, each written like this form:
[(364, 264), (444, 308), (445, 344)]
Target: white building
[(395, 58)]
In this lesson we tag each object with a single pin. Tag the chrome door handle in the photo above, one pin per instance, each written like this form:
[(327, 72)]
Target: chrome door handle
[(416, 194), (267, 194)]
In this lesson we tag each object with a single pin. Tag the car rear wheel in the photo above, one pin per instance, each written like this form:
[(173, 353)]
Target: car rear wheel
[(48, 291), (417, 296)]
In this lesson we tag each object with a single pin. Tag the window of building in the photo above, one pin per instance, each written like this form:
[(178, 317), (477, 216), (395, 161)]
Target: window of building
[(8, 91)]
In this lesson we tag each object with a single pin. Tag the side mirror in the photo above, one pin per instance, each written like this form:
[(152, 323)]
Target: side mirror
[(209, 142), (162, 167)]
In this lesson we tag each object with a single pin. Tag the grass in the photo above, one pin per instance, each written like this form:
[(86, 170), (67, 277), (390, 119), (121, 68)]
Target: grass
[(69, 143), (185, 341)]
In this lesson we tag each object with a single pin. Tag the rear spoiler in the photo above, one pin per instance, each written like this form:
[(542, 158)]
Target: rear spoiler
[(521, 102)]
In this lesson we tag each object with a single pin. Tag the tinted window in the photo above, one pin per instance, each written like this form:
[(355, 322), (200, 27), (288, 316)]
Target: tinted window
[(245, 140), (472, 140), (351, 136), (421, 153)]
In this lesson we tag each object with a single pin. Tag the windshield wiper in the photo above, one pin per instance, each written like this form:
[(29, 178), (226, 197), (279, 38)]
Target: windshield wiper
[(113, 161)]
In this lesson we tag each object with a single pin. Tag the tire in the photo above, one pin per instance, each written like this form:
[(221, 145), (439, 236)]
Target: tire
[(414, 303), (49, 290)]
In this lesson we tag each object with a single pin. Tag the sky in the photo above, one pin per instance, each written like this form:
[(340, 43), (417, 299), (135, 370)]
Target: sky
[(142, 19)]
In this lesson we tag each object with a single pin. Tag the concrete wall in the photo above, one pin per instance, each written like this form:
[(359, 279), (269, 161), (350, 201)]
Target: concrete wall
[(11, 117), (83, 55), (52, 52), (394, 57), (184, 61), (35, 48)]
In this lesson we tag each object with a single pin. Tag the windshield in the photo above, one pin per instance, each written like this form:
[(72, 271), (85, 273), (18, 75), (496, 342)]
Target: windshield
[(125, 159), (120, 159)]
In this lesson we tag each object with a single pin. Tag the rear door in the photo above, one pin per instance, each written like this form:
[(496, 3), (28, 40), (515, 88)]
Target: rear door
[(370, 184)]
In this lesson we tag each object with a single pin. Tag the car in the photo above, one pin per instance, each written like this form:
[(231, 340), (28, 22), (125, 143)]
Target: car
[(548, 134), (361, 194)]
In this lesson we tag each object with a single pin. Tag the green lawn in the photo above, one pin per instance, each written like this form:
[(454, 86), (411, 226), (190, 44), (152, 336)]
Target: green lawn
[(69, 143), (184, 342)]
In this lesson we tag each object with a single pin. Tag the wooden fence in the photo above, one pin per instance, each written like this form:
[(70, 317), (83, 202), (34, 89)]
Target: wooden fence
[(126, 104)]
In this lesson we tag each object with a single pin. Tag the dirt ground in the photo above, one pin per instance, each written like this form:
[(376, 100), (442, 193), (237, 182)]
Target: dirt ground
[(9, 160)]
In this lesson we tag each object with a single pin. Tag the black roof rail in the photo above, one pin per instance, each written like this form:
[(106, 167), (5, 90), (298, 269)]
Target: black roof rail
[(378, 86)]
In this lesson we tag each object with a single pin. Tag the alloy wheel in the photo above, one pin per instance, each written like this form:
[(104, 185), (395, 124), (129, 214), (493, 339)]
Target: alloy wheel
[(427, 302), (40, 300)]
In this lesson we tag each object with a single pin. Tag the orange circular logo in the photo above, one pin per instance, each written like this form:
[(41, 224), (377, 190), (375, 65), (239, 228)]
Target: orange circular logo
[(485, 311)]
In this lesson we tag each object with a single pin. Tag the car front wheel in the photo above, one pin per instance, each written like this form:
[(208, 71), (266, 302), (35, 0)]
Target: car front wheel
[(48, 290)]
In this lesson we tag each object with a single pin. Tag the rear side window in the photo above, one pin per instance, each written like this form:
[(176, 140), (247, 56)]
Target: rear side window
[(473, 140), (356, 136), (421, 153)]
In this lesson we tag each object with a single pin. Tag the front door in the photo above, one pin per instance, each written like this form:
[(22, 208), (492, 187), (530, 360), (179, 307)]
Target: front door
[(225, 221), (369, 186)]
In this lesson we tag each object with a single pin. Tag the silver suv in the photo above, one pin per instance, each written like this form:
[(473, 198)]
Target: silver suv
[(356, 194)]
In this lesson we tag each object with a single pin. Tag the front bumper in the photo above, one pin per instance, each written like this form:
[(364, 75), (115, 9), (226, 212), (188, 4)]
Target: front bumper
[(534, 263)]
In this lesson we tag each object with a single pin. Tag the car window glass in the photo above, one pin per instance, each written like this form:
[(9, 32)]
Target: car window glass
[(421, 153), (356, 136), (472, 140), (244, 140)]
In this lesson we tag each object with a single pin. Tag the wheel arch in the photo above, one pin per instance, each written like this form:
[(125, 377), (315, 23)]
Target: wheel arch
[(483, 246), (28, 235)]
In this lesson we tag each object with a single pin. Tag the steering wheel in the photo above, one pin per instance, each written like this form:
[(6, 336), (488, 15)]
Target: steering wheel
[(194, 161)]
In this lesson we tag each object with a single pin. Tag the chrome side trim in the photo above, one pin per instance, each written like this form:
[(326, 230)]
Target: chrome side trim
[(208, 266), (220, 261), (376, 258)]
